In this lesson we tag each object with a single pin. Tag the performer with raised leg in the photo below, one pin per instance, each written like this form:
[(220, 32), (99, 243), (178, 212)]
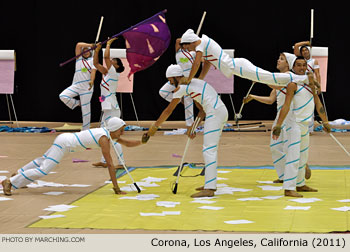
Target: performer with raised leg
[(82, 85)]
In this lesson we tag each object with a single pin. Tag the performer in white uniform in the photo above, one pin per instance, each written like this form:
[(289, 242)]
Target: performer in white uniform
[(185, 60), (109, 84), (278, 147), (211, 108), (82, 85), (303, 49), (66, 142), (213, 54), (298, 145)]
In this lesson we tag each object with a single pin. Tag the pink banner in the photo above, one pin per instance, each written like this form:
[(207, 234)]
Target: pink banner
[(220, 82), (323, 63), (7, 73), (124, 84)]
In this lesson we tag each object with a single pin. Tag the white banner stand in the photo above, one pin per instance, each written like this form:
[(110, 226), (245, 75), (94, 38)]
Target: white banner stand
[(7, 73), (125, 85)]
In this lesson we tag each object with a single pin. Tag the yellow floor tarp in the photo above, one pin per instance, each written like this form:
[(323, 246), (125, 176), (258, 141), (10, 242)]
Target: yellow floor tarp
[(103, 209)]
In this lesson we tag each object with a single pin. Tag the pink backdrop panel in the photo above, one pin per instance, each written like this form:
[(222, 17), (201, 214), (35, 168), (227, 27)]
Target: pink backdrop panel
[(124, 84), (220, 82), (7, 73), (323, 63)]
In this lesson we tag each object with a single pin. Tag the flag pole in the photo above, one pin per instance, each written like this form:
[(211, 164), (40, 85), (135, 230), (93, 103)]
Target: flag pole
[(99, 30), (311, 38), (201, 23), (114, 36)]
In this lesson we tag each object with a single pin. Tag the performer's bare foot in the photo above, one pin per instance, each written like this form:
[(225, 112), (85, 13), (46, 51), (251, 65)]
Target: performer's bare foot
[(100, 164), (292, 193), (204, 193), (278, 181), (6, 187), (307, 172), (306, 188), (202, 188), (14, 174)]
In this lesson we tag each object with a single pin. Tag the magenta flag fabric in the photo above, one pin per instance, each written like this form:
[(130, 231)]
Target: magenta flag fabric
[(146, 43)]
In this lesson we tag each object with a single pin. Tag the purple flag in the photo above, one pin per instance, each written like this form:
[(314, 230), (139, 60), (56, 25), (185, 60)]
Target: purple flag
[(146, 43)]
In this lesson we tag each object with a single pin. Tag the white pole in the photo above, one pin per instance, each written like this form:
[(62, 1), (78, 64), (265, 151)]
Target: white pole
[(201, 23), (312, 24), (341, 146), (99, 30), (195, 125), (239, 115), (123, 163)]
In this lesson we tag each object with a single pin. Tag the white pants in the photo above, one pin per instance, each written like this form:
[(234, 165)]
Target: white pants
[(245, 69), (292, 150), (81, 90), (119, 148), (109, 113), (41, 166), (290, 154), (277, 148), (166, 92), (311, 124), (213, 126), (304, 152), (296, 156)]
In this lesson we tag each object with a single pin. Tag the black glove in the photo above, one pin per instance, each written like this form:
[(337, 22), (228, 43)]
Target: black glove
[(276, 130), (145, 138)]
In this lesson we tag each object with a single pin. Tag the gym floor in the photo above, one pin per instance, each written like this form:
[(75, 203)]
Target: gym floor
[(236, 149)]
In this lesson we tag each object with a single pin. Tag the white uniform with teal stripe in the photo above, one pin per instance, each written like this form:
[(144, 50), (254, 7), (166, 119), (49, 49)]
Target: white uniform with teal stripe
[(63, 143), (289, 164), (216, 117), (278, 147), (243, 67), (311, 66), (80, 87), (109, 103), (185, 60), (304, 106)]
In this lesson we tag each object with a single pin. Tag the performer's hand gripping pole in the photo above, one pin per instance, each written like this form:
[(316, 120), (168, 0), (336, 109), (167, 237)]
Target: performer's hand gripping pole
[(195, 125), (239, 115), (123, 163)]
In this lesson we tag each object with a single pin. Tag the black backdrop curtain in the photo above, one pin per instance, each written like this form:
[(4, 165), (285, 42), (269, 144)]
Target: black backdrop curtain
[(44, 34)]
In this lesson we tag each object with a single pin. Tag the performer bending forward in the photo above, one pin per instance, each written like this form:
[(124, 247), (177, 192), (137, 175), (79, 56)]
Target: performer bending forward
[(212, 109)]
